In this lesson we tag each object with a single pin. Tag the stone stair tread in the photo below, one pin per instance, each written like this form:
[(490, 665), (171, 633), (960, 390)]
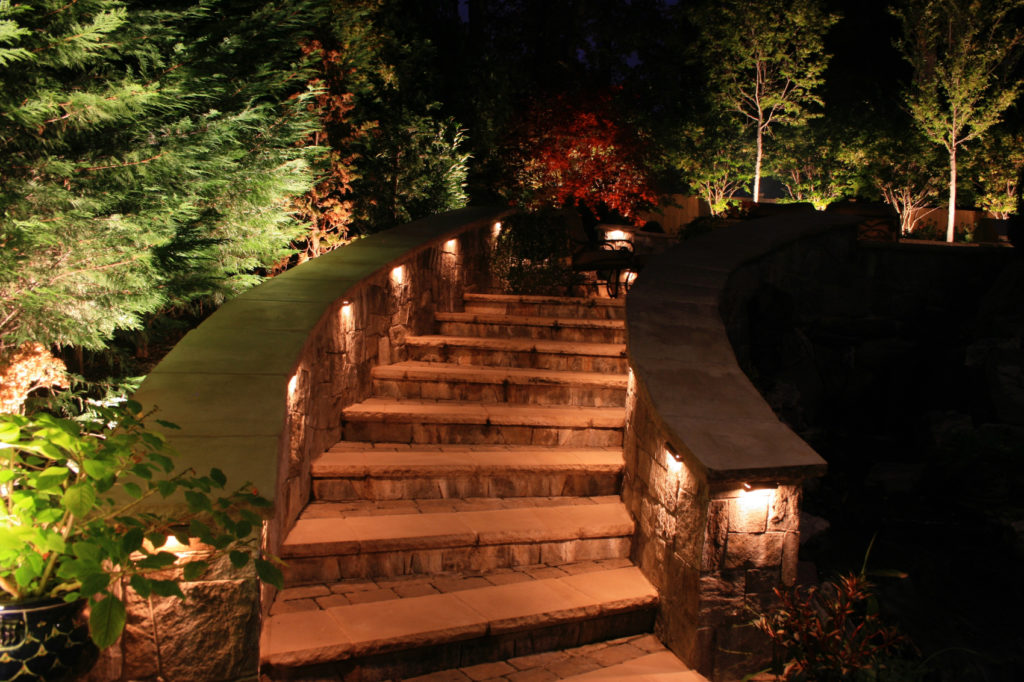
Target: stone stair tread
[(471, 297), (521, 344), (495, 414), (662, 666), (343, 632), (440, 371), (529, 320), (350, 462), (355, 534)]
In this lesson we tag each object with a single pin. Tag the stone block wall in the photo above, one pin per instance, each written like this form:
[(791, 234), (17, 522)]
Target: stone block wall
[(258, 391)]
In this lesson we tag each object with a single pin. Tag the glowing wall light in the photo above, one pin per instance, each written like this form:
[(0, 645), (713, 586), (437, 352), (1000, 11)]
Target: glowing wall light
[(451, 245), (616, 236), (292, 385), (346, 312), (496, 230), (673, 460), (398, 274), (753, 496)]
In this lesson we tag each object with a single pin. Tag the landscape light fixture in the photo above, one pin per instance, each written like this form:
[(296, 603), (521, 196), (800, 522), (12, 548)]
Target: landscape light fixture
[(673, 460)]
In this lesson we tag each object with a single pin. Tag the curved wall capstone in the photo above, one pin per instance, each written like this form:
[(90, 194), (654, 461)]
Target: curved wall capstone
[(712, 476)]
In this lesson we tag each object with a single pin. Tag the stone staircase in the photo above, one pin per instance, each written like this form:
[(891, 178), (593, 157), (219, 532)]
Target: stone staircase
[(470, 516)]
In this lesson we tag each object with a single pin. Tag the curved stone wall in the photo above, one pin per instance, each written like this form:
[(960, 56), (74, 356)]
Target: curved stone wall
[(712, 475), (257, 390)]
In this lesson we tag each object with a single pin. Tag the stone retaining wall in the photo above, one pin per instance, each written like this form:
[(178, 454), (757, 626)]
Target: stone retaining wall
[(258, 389), (711, 473)]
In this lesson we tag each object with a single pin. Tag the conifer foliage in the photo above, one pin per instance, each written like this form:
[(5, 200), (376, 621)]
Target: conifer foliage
[(147, 157)]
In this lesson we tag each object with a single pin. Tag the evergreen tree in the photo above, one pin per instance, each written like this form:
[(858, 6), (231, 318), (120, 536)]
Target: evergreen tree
[(766, 59), (961, 51), (147, 155)]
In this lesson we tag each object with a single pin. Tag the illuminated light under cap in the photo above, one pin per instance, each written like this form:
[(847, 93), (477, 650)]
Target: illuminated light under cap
[(616, 235), (451, 245), (398, 274), (673, 460), (496, 229)]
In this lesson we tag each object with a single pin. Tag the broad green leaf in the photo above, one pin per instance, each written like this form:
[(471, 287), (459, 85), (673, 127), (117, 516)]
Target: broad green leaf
[(86, 550), (219, 478), (269, 573), (94, 582), (106, 621), (238, 558), (79, 499), (96, 468), (197, 501), (133, 490), (51, 477), (9, 433), (131, 541), (167, 588), (158, 560), (195, 569), (142, 585)]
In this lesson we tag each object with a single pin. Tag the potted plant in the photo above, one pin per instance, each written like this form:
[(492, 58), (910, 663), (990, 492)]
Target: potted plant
[(80, 518)]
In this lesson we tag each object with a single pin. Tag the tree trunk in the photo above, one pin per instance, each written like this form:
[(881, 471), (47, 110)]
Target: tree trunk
[(950, 221), (757, 164)]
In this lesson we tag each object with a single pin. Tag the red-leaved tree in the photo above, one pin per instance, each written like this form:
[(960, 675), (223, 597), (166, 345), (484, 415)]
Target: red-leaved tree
[(575, 151)]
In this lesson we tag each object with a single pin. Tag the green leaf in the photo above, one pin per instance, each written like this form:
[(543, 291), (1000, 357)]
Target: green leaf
[(79, 499), (166, 488), (106, 621), (132, 489), (197, 501), (93, 583), (86, 550), (9, 432), (218, 477), (158, 560), (142, 585), (97, 468), (132, 540), (195, 569), (161, 461), (238, 558), (269, 573), (167, 588), (51, 477)]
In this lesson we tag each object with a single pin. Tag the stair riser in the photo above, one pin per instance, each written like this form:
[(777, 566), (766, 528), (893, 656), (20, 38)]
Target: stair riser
[(552, 333), (371, 565), (463, 485), (563, 312), (532, 394), (524, 359), (459, 654), (478, 434)]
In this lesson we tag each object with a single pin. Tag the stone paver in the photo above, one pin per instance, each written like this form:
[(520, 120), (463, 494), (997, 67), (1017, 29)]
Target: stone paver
[(638, 658)]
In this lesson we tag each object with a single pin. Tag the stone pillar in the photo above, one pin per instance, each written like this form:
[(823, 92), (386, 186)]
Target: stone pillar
[(750, 547)]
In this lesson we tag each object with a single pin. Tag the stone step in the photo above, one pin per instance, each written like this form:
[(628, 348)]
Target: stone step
[(446, 381), (420, 421), (520, 352), (545, 306), (389, 471), (332, 541), (662, 666), (637, 658), (403, 637), (547, 328)]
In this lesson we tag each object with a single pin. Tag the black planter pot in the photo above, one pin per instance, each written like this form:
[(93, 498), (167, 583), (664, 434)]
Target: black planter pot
[(44, 640)]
